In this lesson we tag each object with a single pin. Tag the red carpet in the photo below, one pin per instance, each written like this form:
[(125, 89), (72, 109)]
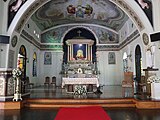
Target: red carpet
[(82, 113)]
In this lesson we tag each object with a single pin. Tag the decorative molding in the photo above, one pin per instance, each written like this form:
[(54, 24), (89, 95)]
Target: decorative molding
[(28, 13), (58, 47), (30, 39), (131, 12), (128, 40)]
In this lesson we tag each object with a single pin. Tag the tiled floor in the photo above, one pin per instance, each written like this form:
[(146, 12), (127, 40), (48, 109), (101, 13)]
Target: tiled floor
[(108, 92)]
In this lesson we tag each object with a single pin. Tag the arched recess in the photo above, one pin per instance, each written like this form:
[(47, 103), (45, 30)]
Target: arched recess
[(79, 33), (138, 64), (22, 56)]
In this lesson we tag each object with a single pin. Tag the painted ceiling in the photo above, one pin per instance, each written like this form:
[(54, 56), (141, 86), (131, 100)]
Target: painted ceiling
[(99, 12)]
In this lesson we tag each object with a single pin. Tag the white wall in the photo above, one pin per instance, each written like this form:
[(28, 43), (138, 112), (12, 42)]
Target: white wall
[(53, 69), (30, 49), (3, 55), (127, 29), (110, 74), (1, 14), (32, 29)]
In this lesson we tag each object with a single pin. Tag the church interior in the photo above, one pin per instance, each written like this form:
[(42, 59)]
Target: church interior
[(76, 53)]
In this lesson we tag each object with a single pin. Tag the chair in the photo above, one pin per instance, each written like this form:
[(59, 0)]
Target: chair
[(142, 85), (53, 81), (47, 81), (27, 83), (128, 82)]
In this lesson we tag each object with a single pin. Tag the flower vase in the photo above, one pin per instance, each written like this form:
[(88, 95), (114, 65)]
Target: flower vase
[(17, 94)]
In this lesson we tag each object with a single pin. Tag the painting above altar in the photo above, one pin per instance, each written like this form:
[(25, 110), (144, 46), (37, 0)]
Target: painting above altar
[(79, 51)]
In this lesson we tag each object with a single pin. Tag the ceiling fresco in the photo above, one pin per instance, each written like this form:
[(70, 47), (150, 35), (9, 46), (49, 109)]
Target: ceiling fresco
[(58, 12), (104, 36)]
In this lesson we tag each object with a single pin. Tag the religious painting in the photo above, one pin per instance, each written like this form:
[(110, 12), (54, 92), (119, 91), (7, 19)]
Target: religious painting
[(54, 35), (14, 6), (47, 58), (111, 58), (79, 51), (146, 6), (77, 11), (105, 36)]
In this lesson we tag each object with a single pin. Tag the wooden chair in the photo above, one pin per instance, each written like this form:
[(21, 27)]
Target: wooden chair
[(47, 81), (127, 82), (142, 85), (53, 81), (28, 84)]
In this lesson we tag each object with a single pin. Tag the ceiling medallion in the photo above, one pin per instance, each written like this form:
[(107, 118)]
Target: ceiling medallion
[(145, 38), (14, 41)]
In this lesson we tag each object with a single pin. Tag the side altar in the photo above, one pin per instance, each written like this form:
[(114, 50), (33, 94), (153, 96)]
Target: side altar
[(80, 69)]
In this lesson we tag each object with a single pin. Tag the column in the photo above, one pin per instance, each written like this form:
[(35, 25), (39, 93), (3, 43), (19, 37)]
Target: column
[(156, 15), (86, 52), (71, 51), (91, 53), (68, 53)]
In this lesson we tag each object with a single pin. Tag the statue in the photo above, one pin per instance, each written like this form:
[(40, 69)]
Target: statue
[(79, 54)]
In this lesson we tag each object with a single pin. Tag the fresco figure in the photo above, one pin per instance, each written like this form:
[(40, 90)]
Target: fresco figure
[(143, 4), (16, 6)]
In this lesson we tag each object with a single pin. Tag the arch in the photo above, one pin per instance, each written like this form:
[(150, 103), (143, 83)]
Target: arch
[(72, 34), (22, 57), (138, 64), (75, 27), (26, 11)]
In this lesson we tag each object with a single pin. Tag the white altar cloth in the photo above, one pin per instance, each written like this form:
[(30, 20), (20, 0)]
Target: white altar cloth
[(75, 81)]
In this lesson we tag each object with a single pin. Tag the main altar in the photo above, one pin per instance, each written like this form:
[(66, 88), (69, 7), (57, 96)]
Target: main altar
[(80, 67)]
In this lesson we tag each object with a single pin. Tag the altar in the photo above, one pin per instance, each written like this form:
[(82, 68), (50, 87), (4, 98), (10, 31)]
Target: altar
[(80, 68), (79, 81)]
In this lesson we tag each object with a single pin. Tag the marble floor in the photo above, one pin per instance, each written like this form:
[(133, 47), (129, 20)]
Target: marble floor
[(108, 92)]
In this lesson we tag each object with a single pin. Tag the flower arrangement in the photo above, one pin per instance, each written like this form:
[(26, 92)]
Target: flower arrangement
[(80, 89), (153, 79), (16, 73)]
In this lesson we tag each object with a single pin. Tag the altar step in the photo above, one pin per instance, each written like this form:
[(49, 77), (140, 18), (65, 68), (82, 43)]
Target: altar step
[(57, 103)]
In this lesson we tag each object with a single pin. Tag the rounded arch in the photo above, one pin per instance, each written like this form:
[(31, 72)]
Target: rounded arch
[(74, 33), (135, 13), (138, 65), (30, 7), (22, 57), (83, 27), (23, 14)]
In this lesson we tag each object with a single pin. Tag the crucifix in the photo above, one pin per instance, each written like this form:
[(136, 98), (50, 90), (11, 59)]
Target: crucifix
[(79, 32)]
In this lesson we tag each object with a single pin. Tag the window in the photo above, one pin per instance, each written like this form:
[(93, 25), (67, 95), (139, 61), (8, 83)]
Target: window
[(34, 72)]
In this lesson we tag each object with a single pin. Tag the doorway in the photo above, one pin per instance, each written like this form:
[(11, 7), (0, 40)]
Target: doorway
[(138, 64)]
